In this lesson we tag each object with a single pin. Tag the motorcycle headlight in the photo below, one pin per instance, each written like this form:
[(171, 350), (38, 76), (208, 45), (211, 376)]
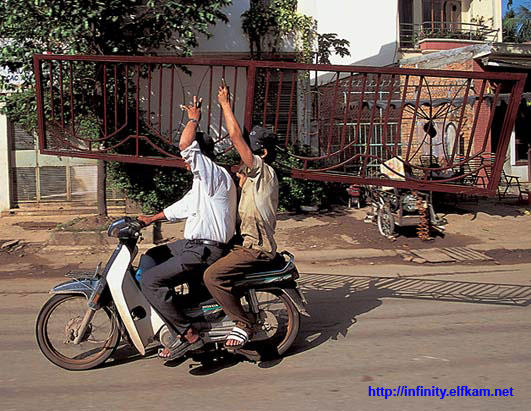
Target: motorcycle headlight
[(117, 227)]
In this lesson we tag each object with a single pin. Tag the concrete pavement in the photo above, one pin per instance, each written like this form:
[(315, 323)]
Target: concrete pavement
[(488, 228)]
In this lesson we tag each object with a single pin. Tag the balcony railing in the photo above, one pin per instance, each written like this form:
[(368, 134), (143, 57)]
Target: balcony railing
[(411, 34)]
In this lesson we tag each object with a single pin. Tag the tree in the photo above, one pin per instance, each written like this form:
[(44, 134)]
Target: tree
[(267, 24), (517, 24), (126, 27), (328, 43)]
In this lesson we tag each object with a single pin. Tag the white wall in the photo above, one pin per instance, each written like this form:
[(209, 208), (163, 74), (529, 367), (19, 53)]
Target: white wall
[(5, 181), (227, 38), (370, 26), (510, 167), (488, 9)]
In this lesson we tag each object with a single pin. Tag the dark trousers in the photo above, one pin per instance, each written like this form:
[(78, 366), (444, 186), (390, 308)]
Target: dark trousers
[(220, 276), (175, 262)]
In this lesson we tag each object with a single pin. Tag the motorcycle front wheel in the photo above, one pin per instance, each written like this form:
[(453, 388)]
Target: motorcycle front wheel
[(280, 320), (57, 326)]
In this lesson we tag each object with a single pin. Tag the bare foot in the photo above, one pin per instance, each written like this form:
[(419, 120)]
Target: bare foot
[(238, 337), (165, 353), (191, 335)]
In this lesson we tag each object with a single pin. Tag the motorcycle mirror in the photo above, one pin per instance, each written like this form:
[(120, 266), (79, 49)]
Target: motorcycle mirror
[(97, 270)]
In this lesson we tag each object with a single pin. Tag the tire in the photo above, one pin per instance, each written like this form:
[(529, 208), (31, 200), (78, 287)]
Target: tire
[(56, 323), (274, 301), (386, 222)]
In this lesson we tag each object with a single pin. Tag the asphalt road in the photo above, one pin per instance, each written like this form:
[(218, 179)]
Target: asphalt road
[(364, 333)]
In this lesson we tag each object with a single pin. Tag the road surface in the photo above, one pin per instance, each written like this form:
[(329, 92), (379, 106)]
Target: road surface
[(369, 329)]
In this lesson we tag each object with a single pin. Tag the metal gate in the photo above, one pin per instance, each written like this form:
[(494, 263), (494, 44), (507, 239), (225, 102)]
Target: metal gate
[(341, 123)]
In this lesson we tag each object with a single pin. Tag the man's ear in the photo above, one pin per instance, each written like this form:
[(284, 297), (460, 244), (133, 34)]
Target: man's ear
[(264, 153)]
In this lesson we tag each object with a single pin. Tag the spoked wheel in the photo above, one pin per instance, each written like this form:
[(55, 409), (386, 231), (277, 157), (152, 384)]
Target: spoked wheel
[(386, 222), (277, 326), (57, 327)]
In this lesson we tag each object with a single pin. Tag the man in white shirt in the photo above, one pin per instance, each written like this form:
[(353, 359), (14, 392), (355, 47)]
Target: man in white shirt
[(210, 212)]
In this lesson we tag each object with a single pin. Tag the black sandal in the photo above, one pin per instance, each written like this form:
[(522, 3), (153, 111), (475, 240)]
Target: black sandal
[(178, 347)]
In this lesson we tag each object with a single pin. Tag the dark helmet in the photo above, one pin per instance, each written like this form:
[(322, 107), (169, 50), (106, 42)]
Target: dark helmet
[(260, 138)]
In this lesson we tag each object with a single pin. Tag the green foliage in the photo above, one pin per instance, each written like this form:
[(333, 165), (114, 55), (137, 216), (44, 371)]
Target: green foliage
[(150, 186), (517, 24), (260, 25), (294, 193), (21, 108), (127, 27), (267, 24), (328, 43)]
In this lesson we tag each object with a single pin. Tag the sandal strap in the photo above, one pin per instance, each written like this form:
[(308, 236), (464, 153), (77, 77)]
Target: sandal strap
[(238, 334), (175, 342), (181, 349)]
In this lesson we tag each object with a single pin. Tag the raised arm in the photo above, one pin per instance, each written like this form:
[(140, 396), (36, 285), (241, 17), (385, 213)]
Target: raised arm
[(194, 116), (235, 132)]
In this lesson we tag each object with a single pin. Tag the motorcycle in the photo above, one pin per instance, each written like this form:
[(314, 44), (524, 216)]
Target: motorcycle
[(83, 322)]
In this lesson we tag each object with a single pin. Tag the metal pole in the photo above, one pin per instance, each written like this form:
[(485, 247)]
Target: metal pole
[(529, 174)]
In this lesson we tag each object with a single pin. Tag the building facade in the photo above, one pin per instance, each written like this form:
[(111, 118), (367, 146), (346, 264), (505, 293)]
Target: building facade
[(411, 33)]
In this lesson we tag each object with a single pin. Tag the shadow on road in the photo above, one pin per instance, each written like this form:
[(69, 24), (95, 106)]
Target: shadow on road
[(333, 310), (126, 354), (334, 301)]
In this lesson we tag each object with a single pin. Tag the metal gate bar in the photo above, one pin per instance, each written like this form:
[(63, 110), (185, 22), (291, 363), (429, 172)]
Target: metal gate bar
[(123, 108)]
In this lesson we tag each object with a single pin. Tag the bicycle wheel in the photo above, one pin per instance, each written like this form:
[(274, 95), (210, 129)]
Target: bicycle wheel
[(277, 325), (57, 326), (386, 222)]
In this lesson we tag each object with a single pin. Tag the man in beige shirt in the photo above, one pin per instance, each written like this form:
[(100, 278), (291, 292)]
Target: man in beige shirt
[(257, 210)]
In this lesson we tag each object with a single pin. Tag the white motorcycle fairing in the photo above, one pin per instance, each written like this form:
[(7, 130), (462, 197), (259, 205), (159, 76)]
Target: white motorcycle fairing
[(142, 328)]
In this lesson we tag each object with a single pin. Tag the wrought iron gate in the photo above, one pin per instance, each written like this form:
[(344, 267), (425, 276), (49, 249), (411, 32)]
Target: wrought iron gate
[(426, 129)]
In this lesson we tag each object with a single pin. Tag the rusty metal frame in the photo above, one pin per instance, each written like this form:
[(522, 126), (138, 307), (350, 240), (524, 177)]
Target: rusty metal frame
[(370, 80)]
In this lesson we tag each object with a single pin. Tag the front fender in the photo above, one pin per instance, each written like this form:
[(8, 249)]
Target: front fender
[(83, 286)]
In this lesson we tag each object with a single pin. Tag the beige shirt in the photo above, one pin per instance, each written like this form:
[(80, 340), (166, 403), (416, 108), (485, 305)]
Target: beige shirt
[(258, 207)]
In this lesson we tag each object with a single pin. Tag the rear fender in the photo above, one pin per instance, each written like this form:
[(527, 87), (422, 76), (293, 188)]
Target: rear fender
[(297, 299), (294, 295)]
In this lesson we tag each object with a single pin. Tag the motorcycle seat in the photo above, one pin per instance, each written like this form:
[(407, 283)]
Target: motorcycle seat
[(278, 269)]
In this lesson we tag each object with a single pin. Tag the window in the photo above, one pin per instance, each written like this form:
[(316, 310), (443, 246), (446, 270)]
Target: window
[(436, 14), (522, 133), (405, 13)]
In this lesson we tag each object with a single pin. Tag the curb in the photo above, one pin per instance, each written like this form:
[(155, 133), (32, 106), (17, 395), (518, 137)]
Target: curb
[(342, 254)]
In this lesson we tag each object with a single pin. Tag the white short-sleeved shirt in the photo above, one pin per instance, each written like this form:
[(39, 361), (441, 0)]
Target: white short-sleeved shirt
[(210, 206)]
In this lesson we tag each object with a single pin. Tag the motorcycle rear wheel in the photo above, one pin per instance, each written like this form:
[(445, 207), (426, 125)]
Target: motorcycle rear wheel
[(285, 330), (56, 327)]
